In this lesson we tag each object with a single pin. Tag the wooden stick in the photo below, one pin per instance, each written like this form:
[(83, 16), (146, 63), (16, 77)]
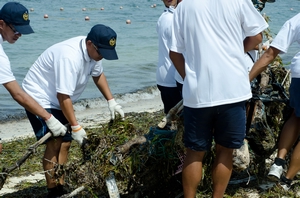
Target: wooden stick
[(30, 151), (125, 147)]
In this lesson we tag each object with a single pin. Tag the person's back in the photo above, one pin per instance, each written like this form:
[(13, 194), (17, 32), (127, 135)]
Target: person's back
[(209, 38), (216, 52), (40, 83)]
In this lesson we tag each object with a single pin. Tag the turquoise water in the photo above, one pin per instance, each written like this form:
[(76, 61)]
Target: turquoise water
[(136, 42)]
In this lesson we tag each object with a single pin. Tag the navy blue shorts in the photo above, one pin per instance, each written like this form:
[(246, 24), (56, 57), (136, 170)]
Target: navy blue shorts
[(170, 96), (294, 91), (226, 124), (39, 125), (179, 87)]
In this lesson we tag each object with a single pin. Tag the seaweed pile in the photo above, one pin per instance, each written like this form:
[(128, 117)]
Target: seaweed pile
[(147, 168)]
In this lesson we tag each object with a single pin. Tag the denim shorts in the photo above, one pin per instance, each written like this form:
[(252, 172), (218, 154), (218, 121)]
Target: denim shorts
[(225, 124), (170, 96), (39, 125), (294, 91)]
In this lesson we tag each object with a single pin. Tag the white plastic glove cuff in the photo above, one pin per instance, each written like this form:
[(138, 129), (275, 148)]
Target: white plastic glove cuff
[(76, 128), (112, 103), (78, 134)]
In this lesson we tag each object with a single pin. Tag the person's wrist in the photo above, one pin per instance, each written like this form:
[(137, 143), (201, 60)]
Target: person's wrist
[(111, 102), (50, 116), (76, 128)]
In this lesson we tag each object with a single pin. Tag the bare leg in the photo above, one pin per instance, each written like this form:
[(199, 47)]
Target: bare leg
[(192, 172), (295, 163), (289, 136), (63, 157), (56, 153), (222, 170)]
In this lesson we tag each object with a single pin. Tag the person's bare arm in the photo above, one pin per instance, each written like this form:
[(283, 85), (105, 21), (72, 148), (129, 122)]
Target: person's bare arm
[(251, 42), (66, 106), (102, 84), (113, 106), (179, 62), (262, 63), (25, 100)]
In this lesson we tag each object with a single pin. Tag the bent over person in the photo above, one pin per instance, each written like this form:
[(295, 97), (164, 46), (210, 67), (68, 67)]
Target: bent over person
[(57, 79), (14, 22), (208, 51)]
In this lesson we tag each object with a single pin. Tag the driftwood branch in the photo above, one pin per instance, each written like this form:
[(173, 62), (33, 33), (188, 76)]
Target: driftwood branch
[(125, 147), (30, 151)]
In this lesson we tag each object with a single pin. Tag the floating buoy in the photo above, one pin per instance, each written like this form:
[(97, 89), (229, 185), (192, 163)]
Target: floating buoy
[(61, 9), (83, 9), (128, 21), (87, 18), (31, 9), (46, 16), (102, 8)]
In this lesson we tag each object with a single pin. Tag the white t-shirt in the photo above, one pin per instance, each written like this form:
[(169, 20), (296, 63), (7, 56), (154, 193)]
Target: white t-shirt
[(250, 58), (63, 68), (210, 34), (165, 71), (6, 75), (288, 34)]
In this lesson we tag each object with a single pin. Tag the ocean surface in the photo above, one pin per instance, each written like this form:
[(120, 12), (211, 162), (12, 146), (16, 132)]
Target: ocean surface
[(132, 76)]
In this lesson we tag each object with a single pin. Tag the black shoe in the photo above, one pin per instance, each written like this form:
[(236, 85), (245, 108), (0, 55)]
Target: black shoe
[(285, 183), (62, 190), (57, 191)]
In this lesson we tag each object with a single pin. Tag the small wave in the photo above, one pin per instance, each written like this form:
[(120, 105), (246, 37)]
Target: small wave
[(11, 114), (141, 94)]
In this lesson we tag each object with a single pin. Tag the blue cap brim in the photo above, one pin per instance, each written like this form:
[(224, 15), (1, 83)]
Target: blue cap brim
[(108, 54), (24, 29)]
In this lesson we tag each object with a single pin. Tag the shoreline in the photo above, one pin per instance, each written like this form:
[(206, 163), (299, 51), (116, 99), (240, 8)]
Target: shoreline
[(87, 118)]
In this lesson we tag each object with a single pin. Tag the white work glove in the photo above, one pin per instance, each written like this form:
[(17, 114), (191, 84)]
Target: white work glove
[(56, 127), (78, 134), (115, 107)]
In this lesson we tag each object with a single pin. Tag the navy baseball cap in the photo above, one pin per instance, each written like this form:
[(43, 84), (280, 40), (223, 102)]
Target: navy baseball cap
[(17, 15), (104, 38)]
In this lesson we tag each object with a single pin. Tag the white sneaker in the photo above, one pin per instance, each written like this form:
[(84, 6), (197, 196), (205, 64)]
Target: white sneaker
[(275, 172)]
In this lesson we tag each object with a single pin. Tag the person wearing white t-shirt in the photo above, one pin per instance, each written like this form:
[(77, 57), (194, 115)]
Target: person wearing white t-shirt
[(165, 71), (216, 84), (288, 34), (57, 79), (14, 22)]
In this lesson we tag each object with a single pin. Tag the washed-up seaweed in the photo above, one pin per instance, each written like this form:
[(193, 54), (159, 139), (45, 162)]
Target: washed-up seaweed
[(145, 169)]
